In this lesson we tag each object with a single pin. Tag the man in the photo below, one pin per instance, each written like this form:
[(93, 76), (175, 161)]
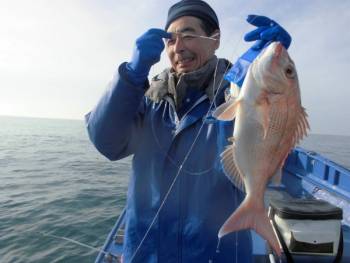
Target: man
[(178, 195)]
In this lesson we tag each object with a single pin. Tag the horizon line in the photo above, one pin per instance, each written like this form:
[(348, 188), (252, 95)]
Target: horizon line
[(41, 117), (82, 119)]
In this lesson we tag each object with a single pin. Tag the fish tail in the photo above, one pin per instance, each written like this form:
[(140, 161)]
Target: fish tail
[(247, 216)]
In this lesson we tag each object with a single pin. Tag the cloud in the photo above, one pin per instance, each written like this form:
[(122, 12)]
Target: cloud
[(320, 49), (322, 53), (56, 57)]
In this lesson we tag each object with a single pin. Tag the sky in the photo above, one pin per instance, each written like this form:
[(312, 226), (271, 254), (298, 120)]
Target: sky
[(57, 57)]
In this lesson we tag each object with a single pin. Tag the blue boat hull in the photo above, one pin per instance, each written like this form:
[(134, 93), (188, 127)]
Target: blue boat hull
[(305, 175)]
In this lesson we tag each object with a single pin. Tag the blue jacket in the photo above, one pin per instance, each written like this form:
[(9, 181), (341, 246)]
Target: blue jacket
[(127, 122)]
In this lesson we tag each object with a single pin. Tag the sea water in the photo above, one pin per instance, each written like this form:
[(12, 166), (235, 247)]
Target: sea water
[(53, 181)]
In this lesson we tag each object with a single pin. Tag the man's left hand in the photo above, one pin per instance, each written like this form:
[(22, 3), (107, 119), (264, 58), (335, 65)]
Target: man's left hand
[(268, 31)]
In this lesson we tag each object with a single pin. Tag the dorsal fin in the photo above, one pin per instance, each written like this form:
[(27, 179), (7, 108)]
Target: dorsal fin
[(300, 131), (230, 168), (302, 126)]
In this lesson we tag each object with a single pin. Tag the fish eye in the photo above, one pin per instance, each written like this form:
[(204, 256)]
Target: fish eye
[(290, 73)]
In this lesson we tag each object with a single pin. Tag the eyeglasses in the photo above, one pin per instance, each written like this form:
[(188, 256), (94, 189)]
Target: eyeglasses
[(186, 37)]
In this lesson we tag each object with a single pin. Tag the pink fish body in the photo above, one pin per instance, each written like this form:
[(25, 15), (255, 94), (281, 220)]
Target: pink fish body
[(269, 122)]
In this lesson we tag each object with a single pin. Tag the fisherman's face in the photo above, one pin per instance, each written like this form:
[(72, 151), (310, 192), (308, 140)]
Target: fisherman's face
[(188, 53)]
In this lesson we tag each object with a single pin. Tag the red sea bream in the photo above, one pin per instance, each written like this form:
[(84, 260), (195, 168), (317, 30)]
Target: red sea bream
[(269, 122)]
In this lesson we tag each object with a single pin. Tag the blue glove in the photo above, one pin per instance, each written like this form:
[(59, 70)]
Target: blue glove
[(147, 51), (268, 31)]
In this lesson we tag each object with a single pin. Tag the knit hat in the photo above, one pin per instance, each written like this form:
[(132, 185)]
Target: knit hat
[(196, 8)]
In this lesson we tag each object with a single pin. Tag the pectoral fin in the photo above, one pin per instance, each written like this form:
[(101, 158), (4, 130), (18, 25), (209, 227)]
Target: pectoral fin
[(227, 111), (230, 168), (302, 126)]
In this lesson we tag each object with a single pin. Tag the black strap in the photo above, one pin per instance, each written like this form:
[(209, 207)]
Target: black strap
[(340, 249), (284, 245)]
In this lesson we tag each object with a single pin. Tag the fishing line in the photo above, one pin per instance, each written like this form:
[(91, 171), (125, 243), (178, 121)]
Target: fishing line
[(180, 168), (173, 183), (169, 158), (78, 243), (164, 152), (236, 234), (183, 162)]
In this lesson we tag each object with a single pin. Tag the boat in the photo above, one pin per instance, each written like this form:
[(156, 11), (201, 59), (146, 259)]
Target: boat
[(312, 182)]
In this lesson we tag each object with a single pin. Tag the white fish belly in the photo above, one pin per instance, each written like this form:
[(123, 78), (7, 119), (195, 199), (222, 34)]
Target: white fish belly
[(248, 149)]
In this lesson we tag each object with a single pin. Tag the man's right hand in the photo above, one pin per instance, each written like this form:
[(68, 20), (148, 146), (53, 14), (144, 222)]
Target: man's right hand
[(267, 31), (147, 51)]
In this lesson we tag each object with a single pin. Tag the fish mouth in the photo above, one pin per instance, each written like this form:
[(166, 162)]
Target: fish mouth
[(273, 69), (266, 66), (275, 49), (278, 49)]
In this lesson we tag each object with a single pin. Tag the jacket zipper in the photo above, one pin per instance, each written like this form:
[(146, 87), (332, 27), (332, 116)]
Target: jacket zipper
[(181, 181)]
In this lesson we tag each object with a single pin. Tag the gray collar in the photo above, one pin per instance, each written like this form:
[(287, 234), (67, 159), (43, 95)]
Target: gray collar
[(203, 79)]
